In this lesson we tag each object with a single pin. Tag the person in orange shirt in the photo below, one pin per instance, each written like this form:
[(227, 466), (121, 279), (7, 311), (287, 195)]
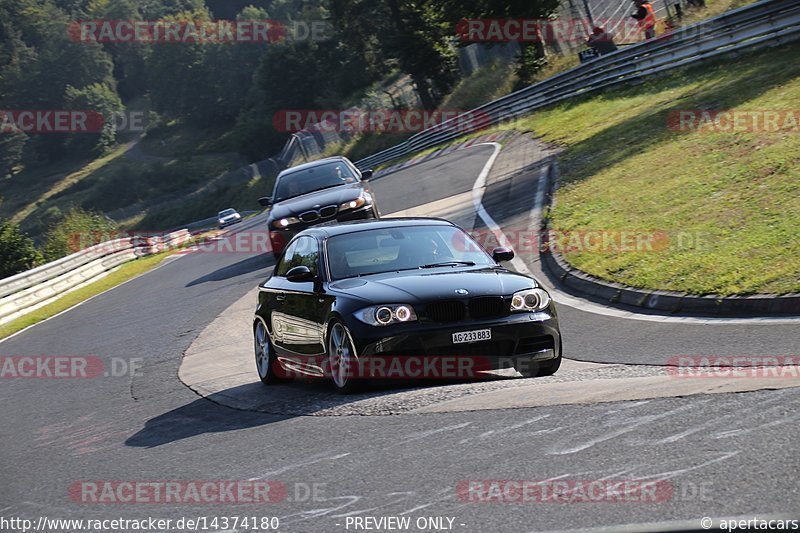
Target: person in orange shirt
[(646, 17)]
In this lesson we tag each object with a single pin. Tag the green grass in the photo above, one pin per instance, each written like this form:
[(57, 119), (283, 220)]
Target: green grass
[(484, 85), (124, 273), (623, 169), (176, 139)]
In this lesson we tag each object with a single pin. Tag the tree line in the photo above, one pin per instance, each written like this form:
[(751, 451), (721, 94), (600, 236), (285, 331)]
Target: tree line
[(222, 86)]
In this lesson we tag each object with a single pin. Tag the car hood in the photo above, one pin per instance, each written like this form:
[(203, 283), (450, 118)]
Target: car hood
[(299, 204), (229, 217), (436, 284)]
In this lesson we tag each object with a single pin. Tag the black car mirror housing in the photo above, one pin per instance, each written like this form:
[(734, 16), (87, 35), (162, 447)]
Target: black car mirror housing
[(265, 201), (366, 174), (502, 253), (299, 274)]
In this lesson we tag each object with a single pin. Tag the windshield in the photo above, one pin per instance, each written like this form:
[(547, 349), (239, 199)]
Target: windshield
[(403, 248), (226, 213), (313, 179)]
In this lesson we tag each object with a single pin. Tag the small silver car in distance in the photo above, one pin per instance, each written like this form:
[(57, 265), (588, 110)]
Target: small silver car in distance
[(227, 217)]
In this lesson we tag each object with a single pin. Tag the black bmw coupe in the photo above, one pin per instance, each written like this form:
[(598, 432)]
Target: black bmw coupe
[(384, 298), (320, 192)]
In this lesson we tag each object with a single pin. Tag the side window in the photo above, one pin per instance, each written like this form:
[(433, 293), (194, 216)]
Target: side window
[(306, 253), (286, 261)]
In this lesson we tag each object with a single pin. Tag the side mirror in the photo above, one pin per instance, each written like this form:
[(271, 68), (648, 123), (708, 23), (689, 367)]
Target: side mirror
[(265, 201), (299, 274), (502, 254), (366, 175)]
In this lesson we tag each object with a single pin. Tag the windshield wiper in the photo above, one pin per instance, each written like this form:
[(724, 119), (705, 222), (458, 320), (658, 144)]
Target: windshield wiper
[(449, 263)]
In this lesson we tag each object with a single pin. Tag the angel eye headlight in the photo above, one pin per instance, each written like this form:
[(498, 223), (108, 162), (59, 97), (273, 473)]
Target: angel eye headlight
[(530, 300), (403, 313), (384, 315)]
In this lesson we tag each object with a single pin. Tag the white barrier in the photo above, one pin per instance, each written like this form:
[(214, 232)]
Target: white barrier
[(30, 290)]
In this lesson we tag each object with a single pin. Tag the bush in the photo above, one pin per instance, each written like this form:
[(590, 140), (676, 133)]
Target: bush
[(17, 251), (77, 230), (102, 99)]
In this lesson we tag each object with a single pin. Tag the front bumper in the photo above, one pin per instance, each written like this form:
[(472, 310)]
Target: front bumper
[(229, 223), (279, 238), (518, 339)]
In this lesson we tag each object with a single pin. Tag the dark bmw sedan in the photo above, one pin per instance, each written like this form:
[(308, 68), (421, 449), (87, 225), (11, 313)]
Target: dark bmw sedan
[(347, 302), (324, 191)]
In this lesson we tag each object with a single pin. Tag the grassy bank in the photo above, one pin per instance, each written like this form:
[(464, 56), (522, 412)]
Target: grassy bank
[(737, 194)]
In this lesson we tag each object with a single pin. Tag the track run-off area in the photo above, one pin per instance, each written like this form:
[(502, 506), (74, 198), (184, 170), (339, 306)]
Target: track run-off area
[(193, 409)]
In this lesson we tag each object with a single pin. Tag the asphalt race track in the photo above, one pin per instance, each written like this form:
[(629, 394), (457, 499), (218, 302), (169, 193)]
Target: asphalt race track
[(724, 454)]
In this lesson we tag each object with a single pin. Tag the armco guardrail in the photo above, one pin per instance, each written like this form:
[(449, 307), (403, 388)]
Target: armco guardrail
[(764, 23), (27, 291)]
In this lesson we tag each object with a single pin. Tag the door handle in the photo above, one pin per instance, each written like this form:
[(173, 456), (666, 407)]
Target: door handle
[(280, 297)]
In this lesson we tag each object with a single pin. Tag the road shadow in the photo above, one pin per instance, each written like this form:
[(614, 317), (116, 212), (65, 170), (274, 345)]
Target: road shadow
[(253, 404), (317, 397), (193, 419), (245, 266)]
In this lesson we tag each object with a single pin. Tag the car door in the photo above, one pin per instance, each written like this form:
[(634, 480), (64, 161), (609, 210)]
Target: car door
[(273, 298), (304, 307)]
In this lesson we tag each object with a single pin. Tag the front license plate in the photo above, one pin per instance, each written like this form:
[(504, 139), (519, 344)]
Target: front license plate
[(472, 336)]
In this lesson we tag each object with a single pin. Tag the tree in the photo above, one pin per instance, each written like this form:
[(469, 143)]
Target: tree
[(422, 49), (17, 251), (294, 75), (176, 77), (533, 54), (102, 99), (42, 63), (409, 33), (12, 146)]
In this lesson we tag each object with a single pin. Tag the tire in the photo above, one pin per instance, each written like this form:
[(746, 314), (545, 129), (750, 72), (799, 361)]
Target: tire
[(266, 360), (341, 356), (548, 368), (540, 369)]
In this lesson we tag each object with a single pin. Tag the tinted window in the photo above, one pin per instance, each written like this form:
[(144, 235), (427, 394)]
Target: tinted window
[(283, 265), (304, 251), (226, 212), (313, 179), (403, 248)]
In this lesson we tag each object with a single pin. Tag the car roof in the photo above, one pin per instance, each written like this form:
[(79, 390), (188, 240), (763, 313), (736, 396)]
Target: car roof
[(364, 225), (312, 164)]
